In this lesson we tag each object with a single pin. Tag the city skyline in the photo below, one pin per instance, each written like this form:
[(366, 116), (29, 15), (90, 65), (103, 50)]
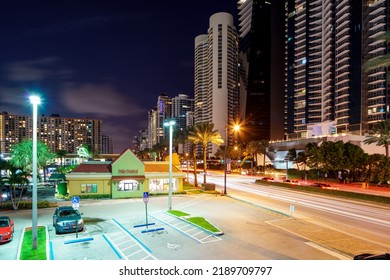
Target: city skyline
[(101, 61)]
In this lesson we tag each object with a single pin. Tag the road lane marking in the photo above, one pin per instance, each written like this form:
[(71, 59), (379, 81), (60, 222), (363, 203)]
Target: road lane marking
[(327, 251)]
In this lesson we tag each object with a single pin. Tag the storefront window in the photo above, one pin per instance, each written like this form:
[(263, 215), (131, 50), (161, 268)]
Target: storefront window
[(128, 185), (161, 185), (88, 188)]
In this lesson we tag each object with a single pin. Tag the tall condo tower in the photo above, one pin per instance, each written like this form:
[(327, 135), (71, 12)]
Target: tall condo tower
[(327, 44), (216, 75), (261, 82)]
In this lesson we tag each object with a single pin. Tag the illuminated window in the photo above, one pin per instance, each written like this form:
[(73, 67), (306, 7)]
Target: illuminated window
[(128, 185)]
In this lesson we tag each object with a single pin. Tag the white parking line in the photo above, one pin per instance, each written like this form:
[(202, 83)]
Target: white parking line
[(199, 235)]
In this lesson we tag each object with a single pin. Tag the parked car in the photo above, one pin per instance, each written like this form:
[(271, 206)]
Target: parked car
[(293, 182), (67, 219), (6, 229), (6, 192), (267, 179), (320, 185), (385, 256)]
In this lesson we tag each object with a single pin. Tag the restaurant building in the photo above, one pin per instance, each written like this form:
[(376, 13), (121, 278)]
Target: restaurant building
[(125, 177)]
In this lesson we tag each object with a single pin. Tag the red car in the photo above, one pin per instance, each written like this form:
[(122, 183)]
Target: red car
[(268, 179), (6, 229)]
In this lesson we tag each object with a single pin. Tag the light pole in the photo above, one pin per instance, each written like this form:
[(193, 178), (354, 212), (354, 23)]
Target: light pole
[(188, 166), (224, 160), (286, 169), (236, 128), (170, 124), (35, 100)]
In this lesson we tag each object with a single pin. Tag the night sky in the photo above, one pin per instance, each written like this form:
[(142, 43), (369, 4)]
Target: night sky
[(107, 60)]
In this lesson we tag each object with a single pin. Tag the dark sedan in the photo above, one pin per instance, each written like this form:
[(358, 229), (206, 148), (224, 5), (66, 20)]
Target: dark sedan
[(67, 219), (368, 256)]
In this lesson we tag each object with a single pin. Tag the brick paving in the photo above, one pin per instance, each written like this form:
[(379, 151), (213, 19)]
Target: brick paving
[(345, 240)]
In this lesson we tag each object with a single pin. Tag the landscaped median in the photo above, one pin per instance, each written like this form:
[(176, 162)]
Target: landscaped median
[(26, 252), (329, 191), (197, 221)]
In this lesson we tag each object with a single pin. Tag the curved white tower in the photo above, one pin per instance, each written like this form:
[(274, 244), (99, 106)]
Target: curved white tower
[(216, 62)]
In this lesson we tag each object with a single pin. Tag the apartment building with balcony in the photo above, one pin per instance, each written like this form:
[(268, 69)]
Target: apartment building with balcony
[(58, 133), (327, 43)]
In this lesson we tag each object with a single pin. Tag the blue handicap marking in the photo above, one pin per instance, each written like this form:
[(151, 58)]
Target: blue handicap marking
[(75, 199), (146, 197)]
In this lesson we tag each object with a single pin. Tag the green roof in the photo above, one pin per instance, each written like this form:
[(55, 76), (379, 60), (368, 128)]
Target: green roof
[(56, 176)]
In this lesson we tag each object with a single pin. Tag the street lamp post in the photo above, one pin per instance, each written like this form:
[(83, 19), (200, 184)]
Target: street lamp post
[(224, 160), (35, 100), (236, 128), (188, 166), (170, 124), (286, 169)]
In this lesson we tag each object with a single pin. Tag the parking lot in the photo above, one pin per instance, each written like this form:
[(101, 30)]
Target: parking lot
[(116, 230)]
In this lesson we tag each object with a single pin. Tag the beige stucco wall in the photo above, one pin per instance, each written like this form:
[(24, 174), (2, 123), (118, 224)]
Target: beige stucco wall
[(103, 185)]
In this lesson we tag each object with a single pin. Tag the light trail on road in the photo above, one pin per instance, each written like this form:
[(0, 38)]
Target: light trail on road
[(367, 216)]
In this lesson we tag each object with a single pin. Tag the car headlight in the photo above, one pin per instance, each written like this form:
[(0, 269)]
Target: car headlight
[(80, 221)]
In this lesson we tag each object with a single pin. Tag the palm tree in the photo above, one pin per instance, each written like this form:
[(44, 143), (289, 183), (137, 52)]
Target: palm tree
[(380, 134), (302, 159), (22, 155), (253, 148), (263, 145), (15, 178), (159, 149), (204, 133), (61, 154), (292, 156)]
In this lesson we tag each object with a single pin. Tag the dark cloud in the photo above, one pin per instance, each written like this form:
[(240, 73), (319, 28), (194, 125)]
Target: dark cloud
[(101, 100), (34, 70)]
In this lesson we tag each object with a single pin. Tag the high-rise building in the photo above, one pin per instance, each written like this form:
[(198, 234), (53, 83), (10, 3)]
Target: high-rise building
[(56, 132), (178, 108), (181, 105), (261, 81), (327, 44), (216, 75), (164, 111), (182, 111), (152, 127), (143, 139), (107, 145), (376, 91)]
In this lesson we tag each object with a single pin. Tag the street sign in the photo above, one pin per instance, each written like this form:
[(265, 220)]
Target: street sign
[(75, 201), (146, 197)]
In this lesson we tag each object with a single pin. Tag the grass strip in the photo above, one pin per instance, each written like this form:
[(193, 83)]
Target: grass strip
[(27, 252), (199, 221), (203, 223), (178, 213)]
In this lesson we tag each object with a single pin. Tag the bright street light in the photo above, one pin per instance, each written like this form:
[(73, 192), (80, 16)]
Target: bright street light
[(170, 123), (35, 101)]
